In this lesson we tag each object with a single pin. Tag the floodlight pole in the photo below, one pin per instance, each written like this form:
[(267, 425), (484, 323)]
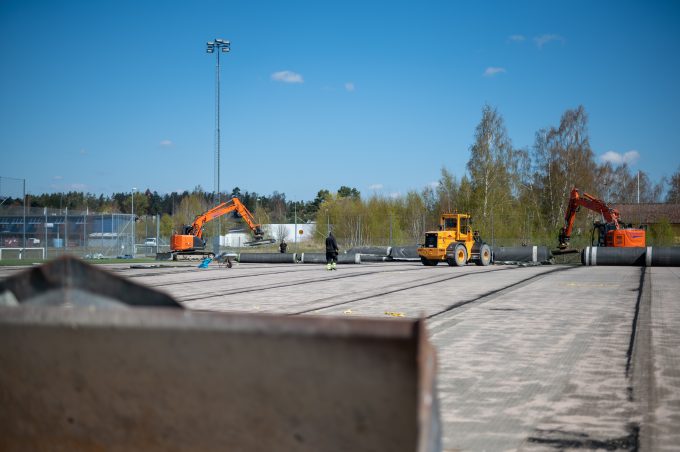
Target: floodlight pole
[(221, 46), (133, 221)]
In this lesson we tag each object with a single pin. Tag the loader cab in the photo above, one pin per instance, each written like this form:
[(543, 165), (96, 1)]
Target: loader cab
[(457, 223), (449, 224)]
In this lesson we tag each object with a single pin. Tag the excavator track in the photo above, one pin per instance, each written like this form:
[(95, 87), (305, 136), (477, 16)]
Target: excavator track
[(184, 255)]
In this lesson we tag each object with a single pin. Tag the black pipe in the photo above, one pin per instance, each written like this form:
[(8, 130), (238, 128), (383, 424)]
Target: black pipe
[(536, 254), (267, 258), (373, 258), (649, 256), (404, 253), (376, 250), (600, 255), (663, 256), (320, 258)]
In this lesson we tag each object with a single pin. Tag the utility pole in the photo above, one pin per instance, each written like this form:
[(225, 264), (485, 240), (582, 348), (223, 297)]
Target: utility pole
[(222, 46)]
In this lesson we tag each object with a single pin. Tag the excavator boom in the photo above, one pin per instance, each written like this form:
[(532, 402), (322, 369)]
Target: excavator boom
[(191, 240), (233, 204)]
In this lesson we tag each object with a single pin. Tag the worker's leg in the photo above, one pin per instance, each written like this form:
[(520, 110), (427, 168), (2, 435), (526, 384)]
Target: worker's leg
[(329, 260), (334, 261)]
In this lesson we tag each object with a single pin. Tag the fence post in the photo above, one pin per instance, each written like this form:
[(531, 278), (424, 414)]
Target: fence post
[(493, 242), (158, 230), (24, 234), (45, 232), (66, 231)]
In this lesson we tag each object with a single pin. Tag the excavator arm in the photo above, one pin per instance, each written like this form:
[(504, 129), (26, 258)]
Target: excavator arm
[(576, 200), (192, 237), (233, 204)]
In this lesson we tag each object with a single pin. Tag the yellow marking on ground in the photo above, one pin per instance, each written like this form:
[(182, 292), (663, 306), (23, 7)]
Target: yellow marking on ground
[(395, 314)]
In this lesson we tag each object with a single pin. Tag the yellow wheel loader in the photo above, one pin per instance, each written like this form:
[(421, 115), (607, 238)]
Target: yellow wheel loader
[(454, 243)]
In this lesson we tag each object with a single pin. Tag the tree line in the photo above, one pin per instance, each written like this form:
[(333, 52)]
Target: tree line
[(516, 195)]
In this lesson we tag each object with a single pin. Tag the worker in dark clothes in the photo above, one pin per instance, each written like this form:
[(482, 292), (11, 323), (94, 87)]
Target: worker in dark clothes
[(283, 246), (331, 252)]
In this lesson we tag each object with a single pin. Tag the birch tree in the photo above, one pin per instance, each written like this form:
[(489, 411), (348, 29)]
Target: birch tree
[(492, 164)]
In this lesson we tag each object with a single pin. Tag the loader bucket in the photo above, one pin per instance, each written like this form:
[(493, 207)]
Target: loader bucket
[(91, 378)]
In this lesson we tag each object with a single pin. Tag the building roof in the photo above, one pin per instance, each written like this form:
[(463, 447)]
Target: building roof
[(649, 213)]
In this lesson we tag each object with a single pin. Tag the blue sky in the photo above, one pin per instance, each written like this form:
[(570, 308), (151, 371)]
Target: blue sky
[(105, 96)]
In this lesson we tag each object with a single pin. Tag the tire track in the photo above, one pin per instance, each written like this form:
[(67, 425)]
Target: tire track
[(214, 294), (489, 296), (401, 289)]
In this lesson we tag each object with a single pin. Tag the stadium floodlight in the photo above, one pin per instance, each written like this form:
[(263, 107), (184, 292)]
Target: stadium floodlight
[(224, 46)]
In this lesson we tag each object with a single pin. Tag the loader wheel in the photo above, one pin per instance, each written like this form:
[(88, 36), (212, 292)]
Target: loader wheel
[(460, 255), (451, 261), (428, 262), (484, 255)]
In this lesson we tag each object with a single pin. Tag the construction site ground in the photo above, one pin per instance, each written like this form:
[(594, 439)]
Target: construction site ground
[(529, 358)]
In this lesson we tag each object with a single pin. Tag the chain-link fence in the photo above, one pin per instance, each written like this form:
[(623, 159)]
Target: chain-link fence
[(48, 233)]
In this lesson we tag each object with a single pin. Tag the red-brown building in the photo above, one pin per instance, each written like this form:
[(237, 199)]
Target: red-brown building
[(651, 214)]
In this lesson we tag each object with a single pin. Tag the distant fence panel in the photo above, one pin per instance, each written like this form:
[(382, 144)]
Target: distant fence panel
[(63, 231)]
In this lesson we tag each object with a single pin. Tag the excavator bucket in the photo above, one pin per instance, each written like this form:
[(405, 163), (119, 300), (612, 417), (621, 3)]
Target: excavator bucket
[(115, 376), (260, 242), (560, 251)]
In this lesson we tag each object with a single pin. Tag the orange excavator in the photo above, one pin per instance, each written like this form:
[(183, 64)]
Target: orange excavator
[(611, 231), (191, 243)]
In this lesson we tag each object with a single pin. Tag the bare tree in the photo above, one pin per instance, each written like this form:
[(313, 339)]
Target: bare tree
[(673, 195), (563, 159), (281, 232), (620, 185), (414, 217), (447, 191)]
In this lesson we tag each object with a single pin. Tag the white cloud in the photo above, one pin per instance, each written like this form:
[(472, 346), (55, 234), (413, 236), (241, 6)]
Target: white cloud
[(491, 71), (57, 177), (544, 39), (166, 143), (287, 77), (616, 158), (517, 38), (434, 184), (83, 152), (375, 187), (78, 187), (349, 86), (395, 195)]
